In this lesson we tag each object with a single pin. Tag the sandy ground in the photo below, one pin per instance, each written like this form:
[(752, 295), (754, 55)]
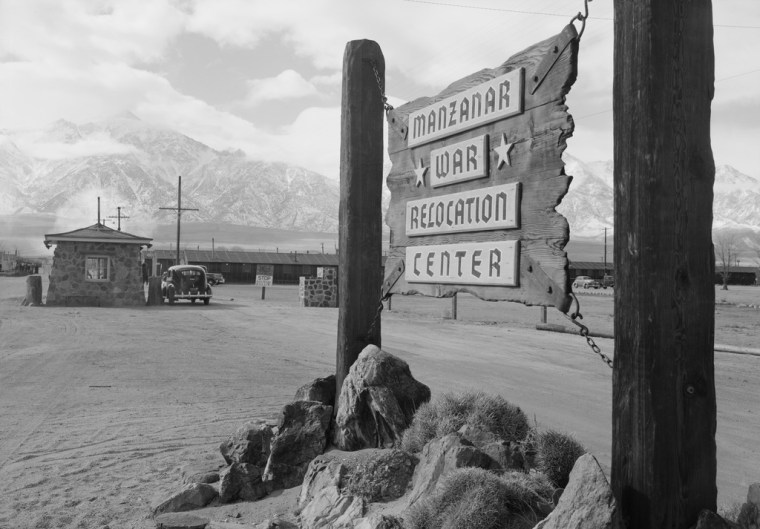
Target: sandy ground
[(100, 408)]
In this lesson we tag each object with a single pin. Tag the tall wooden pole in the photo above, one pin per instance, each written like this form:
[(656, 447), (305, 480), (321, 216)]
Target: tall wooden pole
[(179, 212), (664, 415), (361, 182)]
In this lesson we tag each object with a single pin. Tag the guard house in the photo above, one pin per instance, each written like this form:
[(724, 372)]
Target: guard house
[(96, 266)]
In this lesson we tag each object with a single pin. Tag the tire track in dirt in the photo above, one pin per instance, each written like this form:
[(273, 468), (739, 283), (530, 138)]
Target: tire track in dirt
[(39, 374), (43, 377)]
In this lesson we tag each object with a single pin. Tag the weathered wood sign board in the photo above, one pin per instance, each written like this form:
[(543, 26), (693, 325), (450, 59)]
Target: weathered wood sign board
[(477, 174)]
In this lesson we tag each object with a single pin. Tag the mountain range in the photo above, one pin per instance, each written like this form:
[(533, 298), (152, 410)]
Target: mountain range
[(137, 168), (61, 170)]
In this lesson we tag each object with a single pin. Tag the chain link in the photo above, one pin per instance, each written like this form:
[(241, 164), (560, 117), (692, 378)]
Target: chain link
[(375, 321), (574, 317), (380, 85), (582, 18)]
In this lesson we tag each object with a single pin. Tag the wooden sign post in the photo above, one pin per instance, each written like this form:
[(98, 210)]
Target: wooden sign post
[(360, 214), (477, 173), (664, 413)]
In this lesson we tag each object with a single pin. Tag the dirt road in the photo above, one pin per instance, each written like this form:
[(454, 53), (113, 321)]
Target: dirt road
[(100, 408)]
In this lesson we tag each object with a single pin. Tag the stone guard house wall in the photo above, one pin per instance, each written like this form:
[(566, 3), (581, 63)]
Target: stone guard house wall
[(320, 291), (68, 285)]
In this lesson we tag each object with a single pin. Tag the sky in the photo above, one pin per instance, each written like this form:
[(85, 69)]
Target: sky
[(265, 76)]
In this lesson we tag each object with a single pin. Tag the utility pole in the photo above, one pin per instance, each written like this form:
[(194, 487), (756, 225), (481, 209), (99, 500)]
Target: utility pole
[(179, 209), (118, 216), (605, 251), (663, 388)]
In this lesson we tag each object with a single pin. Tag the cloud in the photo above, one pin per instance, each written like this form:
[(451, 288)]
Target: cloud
[(97, 144), (313, 141), (76, 33), (287, 85)]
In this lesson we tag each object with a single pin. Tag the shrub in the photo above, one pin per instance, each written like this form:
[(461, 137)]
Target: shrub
[(730, 512), (451, 411), (473, 498), (556, 453)]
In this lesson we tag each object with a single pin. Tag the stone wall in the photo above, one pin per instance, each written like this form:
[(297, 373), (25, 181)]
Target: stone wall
[(69, 285), (320, 291)]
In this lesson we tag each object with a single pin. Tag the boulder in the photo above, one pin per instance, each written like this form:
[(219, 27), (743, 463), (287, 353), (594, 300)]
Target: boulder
[(587, 502), (249, 444), (749, 516), (193, 496), (241, 481), (383, 475), (200, 473), (302, 436), (323, 471), (319, 390), (379, 521), (182, 520), (439, 457), (753, 494), (377, 401), (331, 509)]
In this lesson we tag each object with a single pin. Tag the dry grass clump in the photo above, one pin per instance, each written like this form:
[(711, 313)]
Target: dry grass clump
[(730, 512), (556, 453), (473, 498), (451, 411)]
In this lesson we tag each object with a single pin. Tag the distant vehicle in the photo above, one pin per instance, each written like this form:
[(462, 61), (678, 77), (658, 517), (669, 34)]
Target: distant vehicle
[(214, 279), (585, 282), (185, 282), (608, 281)]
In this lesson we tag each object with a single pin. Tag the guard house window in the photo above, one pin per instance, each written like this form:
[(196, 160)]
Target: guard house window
[(97, 268)]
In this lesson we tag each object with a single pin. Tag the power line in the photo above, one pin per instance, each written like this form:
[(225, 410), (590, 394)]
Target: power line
[(717, 81), (541, 13), (483, 8), (737, 75)]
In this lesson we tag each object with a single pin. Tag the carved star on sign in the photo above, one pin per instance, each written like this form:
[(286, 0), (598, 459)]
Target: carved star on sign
[(420, 172), (503, 152)]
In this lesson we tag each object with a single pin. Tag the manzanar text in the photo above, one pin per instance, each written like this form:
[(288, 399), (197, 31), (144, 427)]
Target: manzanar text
[(498, 98)]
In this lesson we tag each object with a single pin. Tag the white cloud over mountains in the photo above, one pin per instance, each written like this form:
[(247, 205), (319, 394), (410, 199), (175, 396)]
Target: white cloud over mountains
[(287, 85), (83, 60)]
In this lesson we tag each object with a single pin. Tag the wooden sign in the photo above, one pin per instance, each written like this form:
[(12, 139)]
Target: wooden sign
[(477, 174), (466, 160)]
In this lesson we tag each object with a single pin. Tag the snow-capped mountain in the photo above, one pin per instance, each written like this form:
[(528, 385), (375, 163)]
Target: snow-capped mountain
[(128, 163), (588, 205), (61, 169)]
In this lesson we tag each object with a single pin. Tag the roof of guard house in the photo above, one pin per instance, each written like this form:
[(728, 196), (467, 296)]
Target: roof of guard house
[(96, 233)]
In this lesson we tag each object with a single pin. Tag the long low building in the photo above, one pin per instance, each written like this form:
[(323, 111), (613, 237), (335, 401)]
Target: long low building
[(242, 267), (287, 267)]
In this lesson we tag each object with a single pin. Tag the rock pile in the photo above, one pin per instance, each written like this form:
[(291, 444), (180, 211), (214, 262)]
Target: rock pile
[(366, 482)]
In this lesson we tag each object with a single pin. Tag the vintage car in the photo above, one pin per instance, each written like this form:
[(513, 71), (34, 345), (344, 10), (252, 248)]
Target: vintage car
[(585, 282), (185, 282), (214, 278)]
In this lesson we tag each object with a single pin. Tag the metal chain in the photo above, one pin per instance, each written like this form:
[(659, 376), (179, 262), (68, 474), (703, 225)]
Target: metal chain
[(574, 317), (380, 85), (375, 321), (582, 18)]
